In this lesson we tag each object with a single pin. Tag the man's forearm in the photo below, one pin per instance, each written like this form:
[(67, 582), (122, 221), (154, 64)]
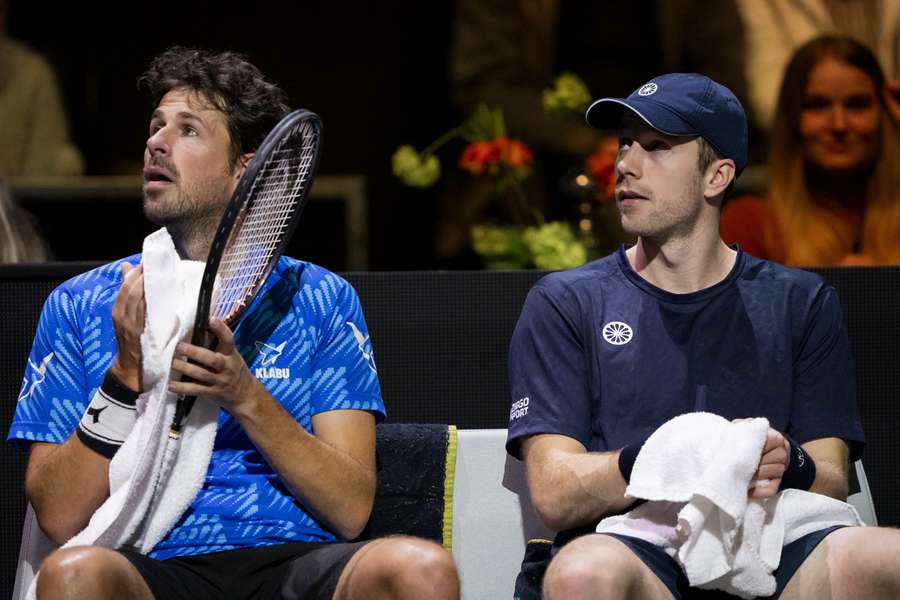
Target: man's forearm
[(831, 480), (571, 489), (328, 481), (65, 484), (832, 462)]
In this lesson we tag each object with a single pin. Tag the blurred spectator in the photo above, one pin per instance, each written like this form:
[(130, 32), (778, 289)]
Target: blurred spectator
[(19, 238), (774, 29), (506, 52), (34, 134), (834, 173)]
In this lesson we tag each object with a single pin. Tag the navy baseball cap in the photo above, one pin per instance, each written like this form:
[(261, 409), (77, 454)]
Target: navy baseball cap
[(682, 104)]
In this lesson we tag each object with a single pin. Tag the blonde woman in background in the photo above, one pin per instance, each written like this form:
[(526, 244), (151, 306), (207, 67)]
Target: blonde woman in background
[(19, 238), (834, 168)]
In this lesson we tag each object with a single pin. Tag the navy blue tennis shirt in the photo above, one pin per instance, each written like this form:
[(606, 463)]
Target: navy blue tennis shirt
[(601, 355)]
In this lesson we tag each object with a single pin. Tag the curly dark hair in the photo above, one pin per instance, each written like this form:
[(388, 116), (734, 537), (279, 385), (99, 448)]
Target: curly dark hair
[(252, 105)]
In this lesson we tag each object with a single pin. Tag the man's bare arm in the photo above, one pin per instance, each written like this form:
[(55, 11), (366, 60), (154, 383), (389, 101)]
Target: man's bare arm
[(832, 458), (65, 484), (570, 486)]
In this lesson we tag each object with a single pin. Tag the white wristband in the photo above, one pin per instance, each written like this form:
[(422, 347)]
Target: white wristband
[(109, 418)]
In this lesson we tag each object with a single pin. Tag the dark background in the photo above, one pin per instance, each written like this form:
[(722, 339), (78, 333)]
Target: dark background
[(375, 71)]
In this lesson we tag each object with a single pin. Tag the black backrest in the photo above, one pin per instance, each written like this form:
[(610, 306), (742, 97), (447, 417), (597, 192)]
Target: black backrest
[(441, 341)]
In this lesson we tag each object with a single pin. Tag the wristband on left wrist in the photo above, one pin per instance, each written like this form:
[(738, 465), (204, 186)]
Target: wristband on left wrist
[(801, 470)]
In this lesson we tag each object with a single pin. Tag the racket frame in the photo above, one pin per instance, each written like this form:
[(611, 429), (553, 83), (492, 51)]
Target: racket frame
[(238, 203)]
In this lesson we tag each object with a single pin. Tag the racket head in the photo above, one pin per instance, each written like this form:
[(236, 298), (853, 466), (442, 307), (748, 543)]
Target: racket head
[(247, 244)]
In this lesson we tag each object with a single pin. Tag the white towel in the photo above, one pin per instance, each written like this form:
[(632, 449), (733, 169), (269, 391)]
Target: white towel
[(142, 506), (695, 471)]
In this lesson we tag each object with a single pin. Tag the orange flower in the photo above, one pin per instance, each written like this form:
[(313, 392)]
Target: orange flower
[(514, 153), (478, 156), (602, 165)]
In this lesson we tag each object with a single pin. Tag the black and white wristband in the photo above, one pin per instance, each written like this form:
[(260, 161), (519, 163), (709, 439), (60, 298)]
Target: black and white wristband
[(801, 470), (109, 418)]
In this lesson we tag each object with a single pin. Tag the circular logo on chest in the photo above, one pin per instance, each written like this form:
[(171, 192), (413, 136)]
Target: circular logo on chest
[(617, 333)]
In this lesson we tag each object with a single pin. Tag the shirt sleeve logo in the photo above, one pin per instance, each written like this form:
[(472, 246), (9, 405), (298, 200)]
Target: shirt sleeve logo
[(519, 408), (617, 333), (364, 345), (35, 375)]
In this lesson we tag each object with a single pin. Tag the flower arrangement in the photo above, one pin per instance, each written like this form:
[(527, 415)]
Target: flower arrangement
[(529, 241)]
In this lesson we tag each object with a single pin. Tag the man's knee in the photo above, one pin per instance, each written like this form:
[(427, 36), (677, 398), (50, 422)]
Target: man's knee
[(865, 554), (86, 571), (414, 558), (852, 562), (403, 564), (591, 565), (66, 568)]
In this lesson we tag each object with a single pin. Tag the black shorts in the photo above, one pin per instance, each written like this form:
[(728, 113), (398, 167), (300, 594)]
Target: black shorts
[(293, 571), (670, 573)]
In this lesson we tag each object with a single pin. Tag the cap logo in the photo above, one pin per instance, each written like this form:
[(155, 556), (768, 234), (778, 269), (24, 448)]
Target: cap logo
[(648, 89)]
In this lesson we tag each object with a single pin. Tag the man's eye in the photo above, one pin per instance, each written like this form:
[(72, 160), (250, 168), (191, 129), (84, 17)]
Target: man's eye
[(657, 145), (189, 131)]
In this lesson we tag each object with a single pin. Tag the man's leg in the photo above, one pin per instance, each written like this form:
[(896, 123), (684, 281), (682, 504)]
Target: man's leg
[(90, 572), (601, 566), (399, 568), (849, 564)]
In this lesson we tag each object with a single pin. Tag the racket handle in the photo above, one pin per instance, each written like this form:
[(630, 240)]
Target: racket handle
[(182, 409)]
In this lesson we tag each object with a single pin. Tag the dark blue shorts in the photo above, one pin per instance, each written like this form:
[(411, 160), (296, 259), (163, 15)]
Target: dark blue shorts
[(669, 571)]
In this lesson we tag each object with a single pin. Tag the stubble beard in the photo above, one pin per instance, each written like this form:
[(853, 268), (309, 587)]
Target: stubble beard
[(193, 212), (667, 219)]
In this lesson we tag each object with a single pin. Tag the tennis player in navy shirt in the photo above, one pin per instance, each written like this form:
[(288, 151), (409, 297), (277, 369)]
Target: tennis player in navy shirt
[(604, 354)]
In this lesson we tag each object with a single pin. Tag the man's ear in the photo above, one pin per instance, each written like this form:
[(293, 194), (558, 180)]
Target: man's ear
[(718, 177), (242, 163)]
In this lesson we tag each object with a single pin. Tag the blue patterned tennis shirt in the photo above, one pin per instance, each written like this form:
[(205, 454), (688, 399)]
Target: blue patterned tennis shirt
[(304, 338)]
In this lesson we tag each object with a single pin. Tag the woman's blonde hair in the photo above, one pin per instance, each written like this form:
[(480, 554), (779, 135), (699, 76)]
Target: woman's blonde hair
[(20, 241), (809, 232)]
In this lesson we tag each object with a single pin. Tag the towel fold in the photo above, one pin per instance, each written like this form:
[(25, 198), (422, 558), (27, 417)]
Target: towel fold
[(695, 471), (153, 477)]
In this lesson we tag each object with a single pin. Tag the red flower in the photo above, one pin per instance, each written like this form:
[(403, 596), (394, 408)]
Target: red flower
[(513, 152), (478, 156), (601, 165)]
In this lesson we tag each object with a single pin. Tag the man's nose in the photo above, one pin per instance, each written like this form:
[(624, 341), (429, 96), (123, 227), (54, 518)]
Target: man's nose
[(157, 143), (628, 162)]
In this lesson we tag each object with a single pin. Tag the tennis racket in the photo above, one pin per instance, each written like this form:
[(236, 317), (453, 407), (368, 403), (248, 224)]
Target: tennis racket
[(255, 229)]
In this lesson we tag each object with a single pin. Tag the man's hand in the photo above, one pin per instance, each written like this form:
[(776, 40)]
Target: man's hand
[(772, 464), (128, 316), (220, 374)]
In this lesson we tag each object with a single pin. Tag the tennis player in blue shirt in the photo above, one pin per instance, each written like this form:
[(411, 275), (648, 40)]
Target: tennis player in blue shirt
[(292, 474)]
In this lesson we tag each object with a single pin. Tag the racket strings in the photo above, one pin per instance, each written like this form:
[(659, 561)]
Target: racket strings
[(265, 219)]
